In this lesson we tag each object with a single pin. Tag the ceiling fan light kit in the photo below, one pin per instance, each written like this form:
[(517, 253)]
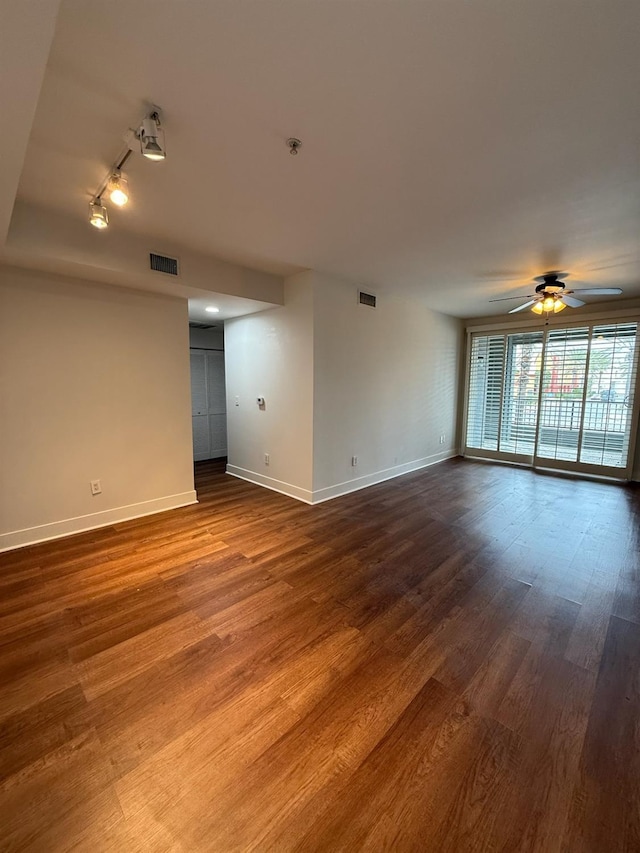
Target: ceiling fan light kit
[(549, 305)]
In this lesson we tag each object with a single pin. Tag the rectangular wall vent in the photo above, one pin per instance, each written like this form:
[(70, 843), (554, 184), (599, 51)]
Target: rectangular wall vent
[(195, 325), (161, 263), (367, 299)]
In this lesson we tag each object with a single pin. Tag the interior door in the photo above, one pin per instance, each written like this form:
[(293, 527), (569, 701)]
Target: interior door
[(216, 404), (208, 404), (199, 408)]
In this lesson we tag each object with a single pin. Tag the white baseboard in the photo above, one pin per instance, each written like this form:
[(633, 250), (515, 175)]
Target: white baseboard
[(69, 526), (328, 493), (270, 483)]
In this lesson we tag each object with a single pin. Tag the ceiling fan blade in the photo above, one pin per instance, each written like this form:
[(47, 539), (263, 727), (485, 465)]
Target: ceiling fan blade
[(504, 298), (600, 291), (622, 260), (504, 275), (522, 307), (571, 301)]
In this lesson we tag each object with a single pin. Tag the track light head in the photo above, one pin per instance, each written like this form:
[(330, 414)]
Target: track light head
[(151, 137), (98, 215), (118, 188)]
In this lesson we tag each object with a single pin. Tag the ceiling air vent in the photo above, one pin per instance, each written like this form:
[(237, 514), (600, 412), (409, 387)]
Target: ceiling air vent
[(160, 263), (367, 299)]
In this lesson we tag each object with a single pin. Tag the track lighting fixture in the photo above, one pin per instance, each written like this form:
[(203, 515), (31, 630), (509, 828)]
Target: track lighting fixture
[(150, 136), (98, 215)]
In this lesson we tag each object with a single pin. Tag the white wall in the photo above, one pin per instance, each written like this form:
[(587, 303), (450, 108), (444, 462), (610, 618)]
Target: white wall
[(386, 385), (339, 380), (270, 354), (94, 385)]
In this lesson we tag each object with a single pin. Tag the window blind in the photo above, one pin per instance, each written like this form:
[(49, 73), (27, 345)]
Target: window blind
[(485, 391), (564, 396)]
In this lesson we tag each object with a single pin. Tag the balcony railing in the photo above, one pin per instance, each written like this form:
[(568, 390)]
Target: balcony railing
[(557, 423), (567, 414)]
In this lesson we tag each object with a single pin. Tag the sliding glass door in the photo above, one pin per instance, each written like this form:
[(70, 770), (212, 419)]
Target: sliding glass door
[(560, 398)]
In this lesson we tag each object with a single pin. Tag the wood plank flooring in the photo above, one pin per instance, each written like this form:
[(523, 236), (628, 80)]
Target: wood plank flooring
[(449, 661)]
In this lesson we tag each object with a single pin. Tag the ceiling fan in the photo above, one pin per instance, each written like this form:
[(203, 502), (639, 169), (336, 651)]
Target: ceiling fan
[(551, 296)]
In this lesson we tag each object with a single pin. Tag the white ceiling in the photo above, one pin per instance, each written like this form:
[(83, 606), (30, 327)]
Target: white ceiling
[(451, 150)]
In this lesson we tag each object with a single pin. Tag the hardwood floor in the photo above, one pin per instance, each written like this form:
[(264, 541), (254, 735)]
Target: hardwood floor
[(449, 661)]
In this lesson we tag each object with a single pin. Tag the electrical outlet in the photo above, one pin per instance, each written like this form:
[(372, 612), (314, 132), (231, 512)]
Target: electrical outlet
[(354, 461), (442, 439), (96, 487), (237, 401), (266, 458)]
